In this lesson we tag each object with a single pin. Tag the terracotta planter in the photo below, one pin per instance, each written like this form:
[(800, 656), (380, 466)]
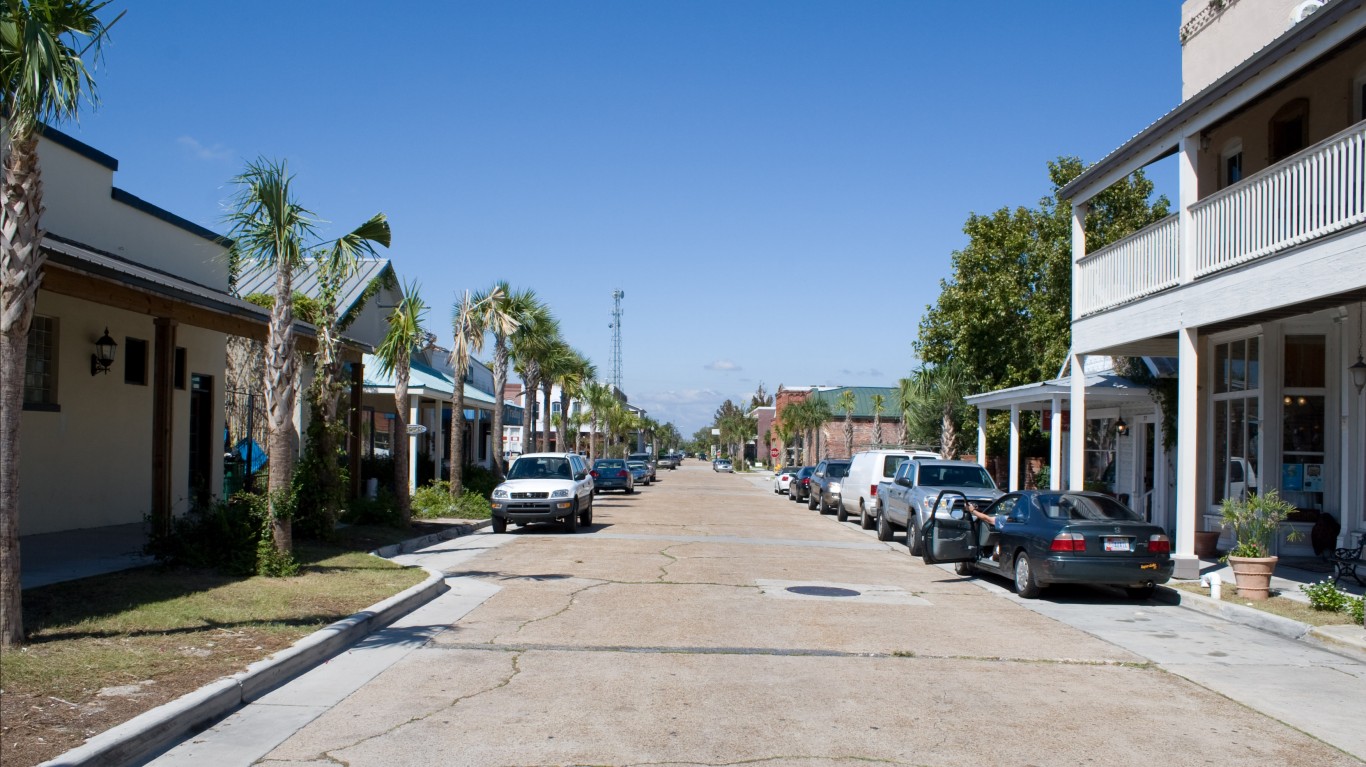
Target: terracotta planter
[(1207, 544), (1253, 576)]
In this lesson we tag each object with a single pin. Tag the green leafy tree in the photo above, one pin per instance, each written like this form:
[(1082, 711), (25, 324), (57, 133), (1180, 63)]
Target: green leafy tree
[(936, 404), (395, 355), (761, 398), (43, 71)]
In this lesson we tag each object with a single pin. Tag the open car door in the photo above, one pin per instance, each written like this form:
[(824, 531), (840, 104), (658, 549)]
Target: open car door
[(950, 535)]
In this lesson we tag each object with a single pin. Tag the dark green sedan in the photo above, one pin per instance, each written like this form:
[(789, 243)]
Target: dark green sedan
[(1040, 537)]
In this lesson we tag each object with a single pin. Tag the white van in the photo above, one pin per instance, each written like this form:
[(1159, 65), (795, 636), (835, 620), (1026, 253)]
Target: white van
[(858, 491)]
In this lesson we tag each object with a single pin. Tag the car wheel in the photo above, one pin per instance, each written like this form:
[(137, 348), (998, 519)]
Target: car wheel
[(1140, 592), (865, 520), (811, 502), (630, 489), (962, 568), (596, 491), (1025, 585), (840, 513), (571, 522), (884, 528), (499, 525), (822, 505), (586, 517), (913, 540)]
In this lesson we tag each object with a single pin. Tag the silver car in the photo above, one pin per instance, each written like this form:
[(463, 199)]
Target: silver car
[(721, 464)]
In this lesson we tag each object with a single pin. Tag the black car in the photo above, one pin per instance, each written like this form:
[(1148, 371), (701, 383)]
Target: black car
[(1042, 537), (800, 488), (824, 490)]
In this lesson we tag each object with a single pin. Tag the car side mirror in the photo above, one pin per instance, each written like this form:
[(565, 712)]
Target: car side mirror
[(903, 481)]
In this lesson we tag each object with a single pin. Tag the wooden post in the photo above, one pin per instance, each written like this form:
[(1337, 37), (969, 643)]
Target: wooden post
[(163, 423)]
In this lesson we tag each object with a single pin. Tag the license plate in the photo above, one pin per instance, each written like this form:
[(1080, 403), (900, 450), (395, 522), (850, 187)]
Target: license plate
[(1117, 544)]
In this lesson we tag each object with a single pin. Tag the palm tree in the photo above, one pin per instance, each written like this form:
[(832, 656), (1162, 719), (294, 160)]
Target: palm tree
[(576, 373), (469, 338), (786, 434), (559, 360), (335, 263), (847, 403), (395, 358), (44, 79), (270, 226), (536, 336), (905, 393), (501, 315), (937, 393), (808, 416), (879, 403), (600, 398)]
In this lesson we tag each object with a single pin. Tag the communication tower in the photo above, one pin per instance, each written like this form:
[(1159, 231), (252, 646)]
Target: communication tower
[(617, 295)]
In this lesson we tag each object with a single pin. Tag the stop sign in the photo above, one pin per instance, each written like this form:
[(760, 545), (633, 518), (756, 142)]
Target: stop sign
[(773, 453)]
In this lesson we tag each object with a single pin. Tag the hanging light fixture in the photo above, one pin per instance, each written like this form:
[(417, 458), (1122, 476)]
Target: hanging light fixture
[(1358, 370), (1121, 428), (103, 357)]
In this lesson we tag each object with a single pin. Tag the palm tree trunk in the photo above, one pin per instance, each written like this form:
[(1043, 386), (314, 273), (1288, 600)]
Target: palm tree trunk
[(531, 383), (458, 439), (500, 380), (281, 390), (564, 423), (400, 440), (948, 435), (22, 258)]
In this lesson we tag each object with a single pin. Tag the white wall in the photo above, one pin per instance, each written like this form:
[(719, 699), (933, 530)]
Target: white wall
[(1233, 34)]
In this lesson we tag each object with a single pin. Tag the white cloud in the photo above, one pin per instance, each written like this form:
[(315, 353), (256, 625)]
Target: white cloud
[(722, 365), (215, 152)]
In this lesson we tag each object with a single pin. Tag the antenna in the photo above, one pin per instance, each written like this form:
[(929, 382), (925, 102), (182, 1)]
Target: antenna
[(617, 295)]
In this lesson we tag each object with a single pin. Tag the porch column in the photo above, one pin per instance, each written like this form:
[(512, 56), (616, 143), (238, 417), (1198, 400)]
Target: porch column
[(163, 423), (438, 436), (1187, 400), (1014, 446), (1055, 444), (982, 435), (1189, 186), (414, 403), (353, 443), (1076, 437)]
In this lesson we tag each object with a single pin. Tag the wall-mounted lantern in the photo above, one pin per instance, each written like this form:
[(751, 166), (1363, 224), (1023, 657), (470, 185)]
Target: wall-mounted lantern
[(103, 357)]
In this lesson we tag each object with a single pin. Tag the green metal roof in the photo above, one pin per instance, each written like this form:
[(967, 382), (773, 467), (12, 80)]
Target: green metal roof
[(863, 401)]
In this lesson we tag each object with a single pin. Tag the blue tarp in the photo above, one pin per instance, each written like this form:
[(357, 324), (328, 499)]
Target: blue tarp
[(258, 455)]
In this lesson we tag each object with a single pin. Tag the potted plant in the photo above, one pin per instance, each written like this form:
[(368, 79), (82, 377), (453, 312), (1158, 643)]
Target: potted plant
[(1254, 522)]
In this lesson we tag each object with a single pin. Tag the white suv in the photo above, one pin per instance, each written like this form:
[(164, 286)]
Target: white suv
[(544, 487), (858, 491)]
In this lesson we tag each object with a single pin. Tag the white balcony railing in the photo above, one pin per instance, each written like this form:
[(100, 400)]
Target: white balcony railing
[(1309, 195), (1312, 194), (1143, 263)]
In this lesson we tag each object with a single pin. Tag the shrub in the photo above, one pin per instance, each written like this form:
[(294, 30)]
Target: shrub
[(380, 510), (222, 535), (472, 505), (478, 480), (434, 501), (1326, 597), (1254, 522)]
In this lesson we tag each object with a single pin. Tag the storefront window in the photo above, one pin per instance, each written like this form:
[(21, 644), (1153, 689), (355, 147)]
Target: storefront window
[(1302, 421), (1100, 455), (1237, 418)]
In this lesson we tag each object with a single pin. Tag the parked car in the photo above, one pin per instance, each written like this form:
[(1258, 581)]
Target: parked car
[(667, 461), (783, 477), (613, 474), (645, 457), (825, 484), (722, 464), (904, 501), (640, 472), (1044, 537), (544, 487), (858, 491), (800, 487)]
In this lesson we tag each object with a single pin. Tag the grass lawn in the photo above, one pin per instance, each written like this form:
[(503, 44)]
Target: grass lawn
[(102, 650), (1282, 606)]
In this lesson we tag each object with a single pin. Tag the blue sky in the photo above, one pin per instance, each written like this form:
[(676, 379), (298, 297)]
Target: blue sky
[(778, 187)]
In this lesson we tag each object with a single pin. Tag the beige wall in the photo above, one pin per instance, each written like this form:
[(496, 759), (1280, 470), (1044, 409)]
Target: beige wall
[(1330, 89), (1219, 40), (88, 464), (78, 206)]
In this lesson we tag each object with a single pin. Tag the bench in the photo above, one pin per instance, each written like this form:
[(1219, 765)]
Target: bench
[(1346, 561)]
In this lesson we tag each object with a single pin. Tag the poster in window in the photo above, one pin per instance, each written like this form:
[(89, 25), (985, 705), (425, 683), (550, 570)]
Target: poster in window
[(1313, 478), (1292, 477)]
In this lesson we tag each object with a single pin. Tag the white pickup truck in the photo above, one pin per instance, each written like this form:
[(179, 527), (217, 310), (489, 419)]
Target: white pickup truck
[(904, 501)]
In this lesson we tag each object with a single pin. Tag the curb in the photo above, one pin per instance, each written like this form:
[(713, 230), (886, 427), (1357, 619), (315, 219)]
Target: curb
[(1323, 637), (152, 732)]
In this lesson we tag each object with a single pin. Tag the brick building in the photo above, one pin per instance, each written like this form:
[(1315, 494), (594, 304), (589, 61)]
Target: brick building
[(829, 441)]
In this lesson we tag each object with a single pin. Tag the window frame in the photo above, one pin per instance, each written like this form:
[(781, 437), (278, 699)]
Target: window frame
[(49, 327)]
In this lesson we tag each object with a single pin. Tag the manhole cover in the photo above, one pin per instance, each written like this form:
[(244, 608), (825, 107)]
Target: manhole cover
[(822, 591)]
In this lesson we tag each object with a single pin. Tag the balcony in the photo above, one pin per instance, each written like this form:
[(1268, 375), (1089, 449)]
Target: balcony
[(1312, 194)]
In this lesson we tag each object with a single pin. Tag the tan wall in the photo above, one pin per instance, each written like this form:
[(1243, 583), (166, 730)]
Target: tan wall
[(1233, 34), (1330, 90), (89, 463)]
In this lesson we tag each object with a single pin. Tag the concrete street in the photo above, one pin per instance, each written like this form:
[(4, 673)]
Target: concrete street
[(666, 634)]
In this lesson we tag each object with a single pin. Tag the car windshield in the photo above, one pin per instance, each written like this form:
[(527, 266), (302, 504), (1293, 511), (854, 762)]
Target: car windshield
[(1086, 507), (806, 472), (539, 468), (837, 470), (890, 463), (955, 476), (609, 464), (637, 464)]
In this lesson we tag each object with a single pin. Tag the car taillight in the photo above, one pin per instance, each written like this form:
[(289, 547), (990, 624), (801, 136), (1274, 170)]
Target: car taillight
[(594, 473), (872, 491), (1159, 544), (623, 473), (1068, 542)]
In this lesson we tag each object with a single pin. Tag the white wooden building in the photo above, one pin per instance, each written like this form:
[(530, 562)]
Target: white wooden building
[(1256, 283)]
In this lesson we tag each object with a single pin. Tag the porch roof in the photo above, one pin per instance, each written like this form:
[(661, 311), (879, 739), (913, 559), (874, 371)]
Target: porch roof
[(426, 381), (1101, 389)]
